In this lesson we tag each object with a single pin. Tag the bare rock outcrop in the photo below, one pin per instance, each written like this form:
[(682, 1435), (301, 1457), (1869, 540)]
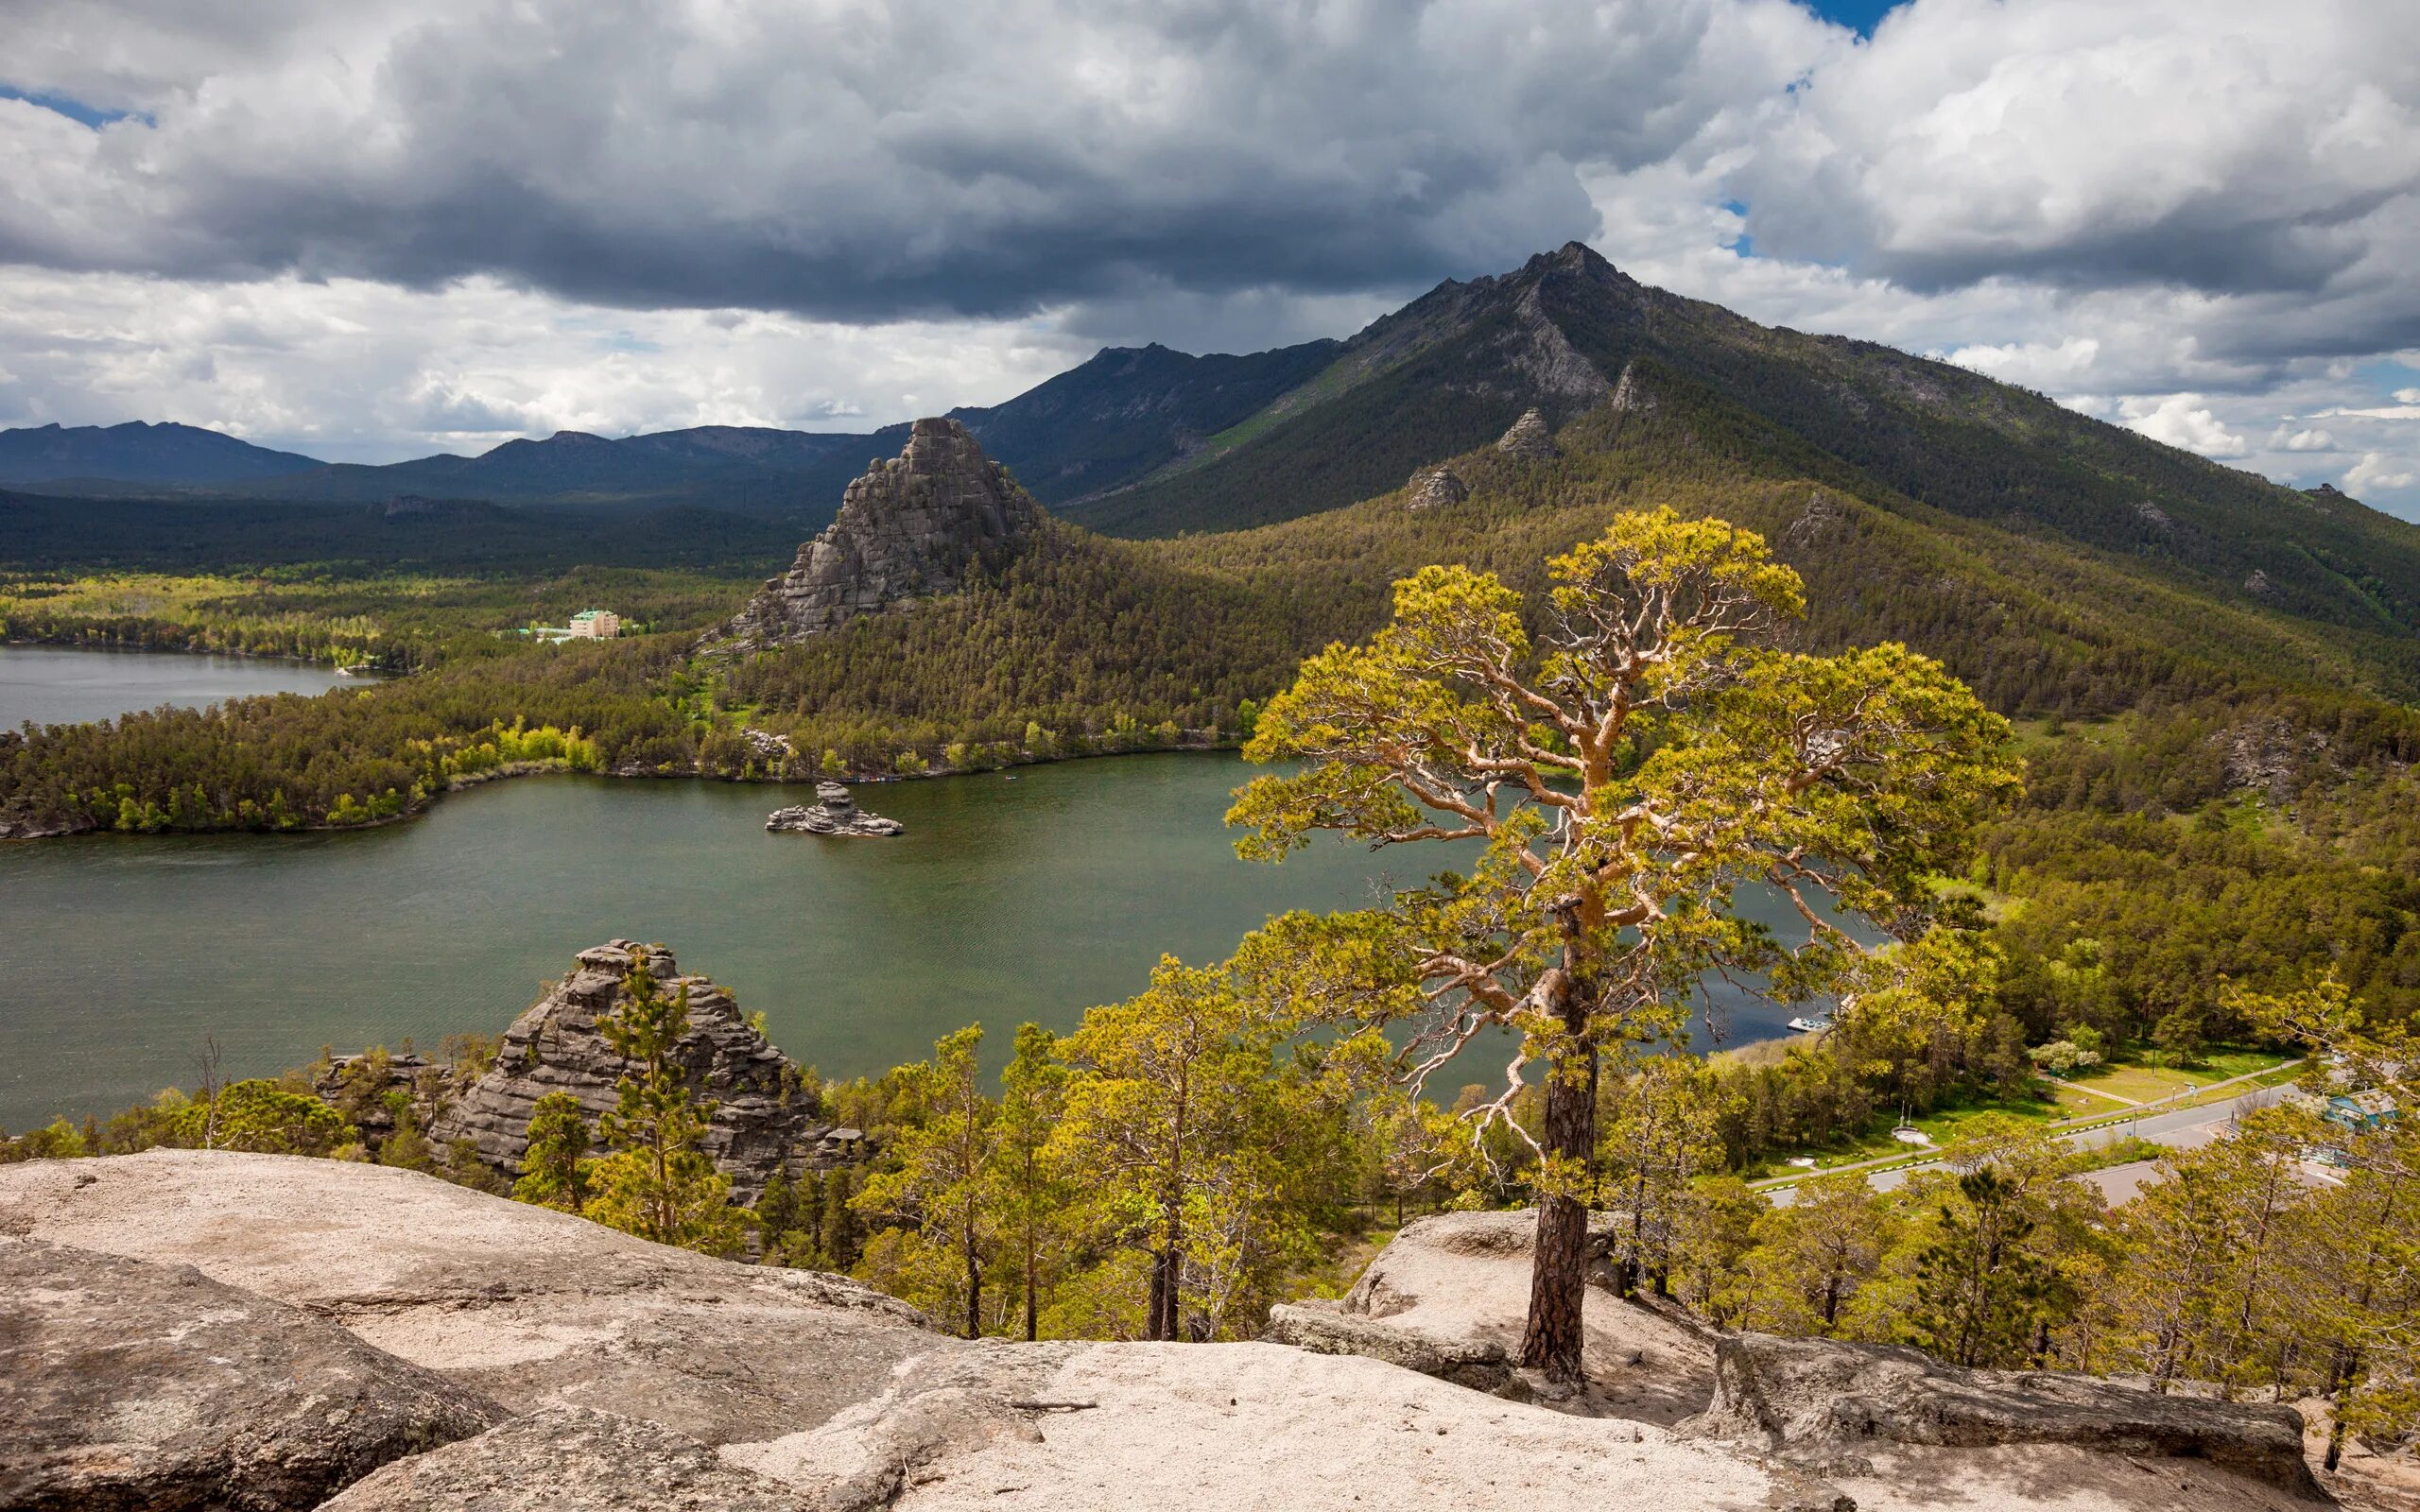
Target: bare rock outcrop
[(834, 812), (1825, 1404), (1529, 438), (816, 1383), (522, 1304), (1631, 395), (128, 1385), (570, 1459), (1435, 488), (765, 1119), (920, 524), (1327, 1328), (1459, 1282)]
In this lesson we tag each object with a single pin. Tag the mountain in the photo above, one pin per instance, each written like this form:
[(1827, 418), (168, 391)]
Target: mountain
[(139, 452), (1116, 418), (1132, 410), (2058, 565)]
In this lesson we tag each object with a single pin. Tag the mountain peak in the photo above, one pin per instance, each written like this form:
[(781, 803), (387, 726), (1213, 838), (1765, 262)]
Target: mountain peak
[(917, 524)]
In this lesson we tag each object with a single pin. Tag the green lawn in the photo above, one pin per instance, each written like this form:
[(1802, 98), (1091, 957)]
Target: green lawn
[(1942, 1125), (2130, 1078)]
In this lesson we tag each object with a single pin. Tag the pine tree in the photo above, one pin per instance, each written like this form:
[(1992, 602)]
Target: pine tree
[(1033, 1096), (938, 1178), (555, 1165), (658, 1182), (1625, 771), (1979, 1292)]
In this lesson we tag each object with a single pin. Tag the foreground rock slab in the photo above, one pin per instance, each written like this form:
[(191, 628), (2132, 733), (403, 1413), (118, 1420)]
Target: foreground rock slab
[(1826, 1403), (834, 812), (128, 1385), (570, 1459), (529, 1306)]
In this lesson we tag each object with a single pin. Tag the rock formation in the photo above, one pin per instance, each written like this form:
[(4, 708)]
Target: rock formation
[(1824, 1403), (570, 1459), (128, 1384), (1434, 487), (920, 523), (656, 1377), (765, 1119), (835, 812), (1630, 394), (1528, 438)]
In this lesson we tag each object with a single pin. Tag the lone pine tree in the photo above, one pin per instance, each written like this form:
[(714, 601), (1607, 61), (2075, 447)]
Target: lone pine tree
[(1626, 756)]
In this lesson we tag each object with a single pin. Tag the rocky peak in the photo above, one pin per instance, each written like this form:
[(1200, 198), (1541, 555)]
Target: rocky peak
[(1434, 487), (765, 1119), (917, 524), (1528, 438)]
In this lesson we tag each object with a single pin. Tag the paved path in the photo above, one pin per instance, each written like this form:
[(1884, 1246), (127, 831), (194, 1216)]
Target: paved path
[(2177, 1127)]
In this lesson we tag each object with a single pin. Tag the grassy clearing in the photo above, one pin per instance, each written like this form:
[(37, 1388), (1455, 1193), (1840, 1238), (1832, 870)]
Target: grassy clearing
[(2131, 1079), (1941, 1126)]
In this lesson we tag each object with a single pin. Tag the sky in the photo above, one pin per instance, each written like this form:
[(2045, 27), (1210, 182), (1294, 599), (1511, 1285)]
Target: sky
[(394, 226)]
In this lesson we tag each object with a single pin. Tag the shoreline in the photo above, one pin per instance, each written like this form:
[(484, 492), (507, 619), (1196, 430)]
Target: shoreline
[(28, 832)]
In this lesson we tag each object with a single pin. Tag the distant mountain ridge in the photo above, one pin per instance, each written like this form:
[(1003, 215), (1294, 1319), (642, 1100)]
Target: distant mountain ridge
[(139, 451), (1121, 415)]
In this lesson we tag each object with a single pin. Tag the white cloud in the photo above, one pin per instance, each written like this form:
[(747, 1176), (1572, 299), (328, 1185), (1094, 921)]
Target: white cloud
[(2183, 420), (351, 369), (2407, 396), (2375, 472), (2286, 439)]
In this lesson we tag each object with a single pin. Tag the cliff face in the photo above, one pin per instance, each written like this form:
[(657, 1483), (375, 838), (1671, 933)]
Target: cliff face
[(917, 524), (765, 1120)]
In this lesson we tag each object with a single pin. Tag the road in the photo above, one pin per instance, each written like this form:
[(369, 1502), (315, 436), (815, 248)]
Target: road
[(2177, 1127)]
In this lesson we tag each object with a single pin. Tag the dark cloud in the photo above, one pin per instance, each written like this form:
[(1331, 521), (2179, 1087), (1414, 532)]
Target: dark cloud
[(860, 163)]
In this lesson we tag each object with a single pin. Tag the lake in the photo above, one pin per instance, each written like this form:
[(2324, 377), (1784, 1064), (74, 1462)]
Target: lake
[(1031, 895), (70, 685)]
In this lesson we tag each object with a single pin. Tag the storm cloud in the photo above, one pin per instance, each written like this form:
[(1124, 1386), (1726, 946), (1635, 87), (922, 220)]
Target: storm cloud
[(389, 225)]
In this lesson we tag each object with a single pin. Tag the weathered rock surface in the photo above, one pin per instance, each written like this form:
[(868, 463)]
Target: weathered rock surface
[(917, 524), (1436, 487), (835, 812), (765, 1119), (1461, 1280), (1529, 438), (570, 1459), (1822, 1402), (128, 1384), (525, 1305), (1326, 1327)]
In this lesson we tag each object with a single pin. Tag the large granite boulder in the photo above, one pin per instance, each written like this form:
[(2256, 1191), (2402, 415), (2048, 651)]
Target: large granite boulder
[(126, 1385), (922, 523), (766, 1119), (570, 1459), (1825, 1403), (834, 812)]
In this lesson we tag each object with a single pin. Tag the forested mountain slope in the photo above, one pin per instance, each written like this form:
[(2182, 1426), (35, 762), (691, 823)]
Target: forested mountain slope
[(1922, 438)]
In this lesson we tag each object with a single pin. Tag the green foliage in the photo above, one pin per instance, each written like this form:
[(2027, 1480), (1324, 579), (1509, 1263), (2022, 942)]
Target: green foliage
[(555, 1168), (657, 1181)]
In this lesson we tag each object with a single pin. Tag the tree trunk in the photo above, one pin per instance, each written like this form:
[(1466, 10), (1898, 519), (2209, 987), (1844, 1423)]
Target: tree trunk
[(1032, 1318), (1559, 1268), (1153, 1309), (974, 1287)]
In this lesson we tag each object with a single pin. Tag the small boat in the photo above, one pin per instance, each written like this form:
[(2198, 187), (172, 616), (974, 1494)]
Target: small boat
[(1805, 1025)]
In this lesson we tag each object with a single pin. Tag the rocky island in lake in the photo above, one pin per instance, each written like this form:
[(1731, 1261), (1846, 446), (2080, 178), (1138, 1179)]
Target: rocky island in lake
[(835, 812)]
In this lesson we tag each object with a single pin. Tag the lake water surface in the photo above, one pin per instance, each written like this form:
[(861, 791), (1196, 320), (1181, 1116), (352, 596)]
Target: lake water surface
[(70, 685), (1010, 897)]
